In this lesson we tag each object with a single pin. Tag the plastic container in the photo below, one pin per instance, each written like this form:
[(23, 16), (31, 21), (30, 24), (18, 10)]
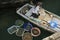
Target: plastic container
[(12, 29)]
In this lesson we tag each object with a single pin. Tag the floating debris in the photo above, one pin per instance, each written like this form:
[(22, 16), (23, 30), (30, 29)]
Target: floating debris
[(27, 36), (20, 32), (12, 29), (35, 31)]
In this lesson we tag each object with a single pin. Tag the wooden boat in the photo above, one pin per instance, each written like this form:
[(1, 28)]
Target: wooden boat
[(46, 20), (55, 36)]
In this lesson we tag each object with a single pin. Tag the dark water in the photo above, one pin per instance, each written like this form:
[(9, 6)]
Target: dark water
[(8, 17), (52, 5)]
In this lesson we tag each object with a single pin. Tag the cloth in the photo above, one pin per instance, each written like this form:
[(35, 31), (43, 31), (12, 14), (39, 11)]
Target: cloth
[(35, 10)]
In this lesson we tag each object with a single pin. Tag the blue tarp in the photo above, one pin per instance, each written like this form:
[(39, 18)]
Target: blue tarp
[(53, 24)]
